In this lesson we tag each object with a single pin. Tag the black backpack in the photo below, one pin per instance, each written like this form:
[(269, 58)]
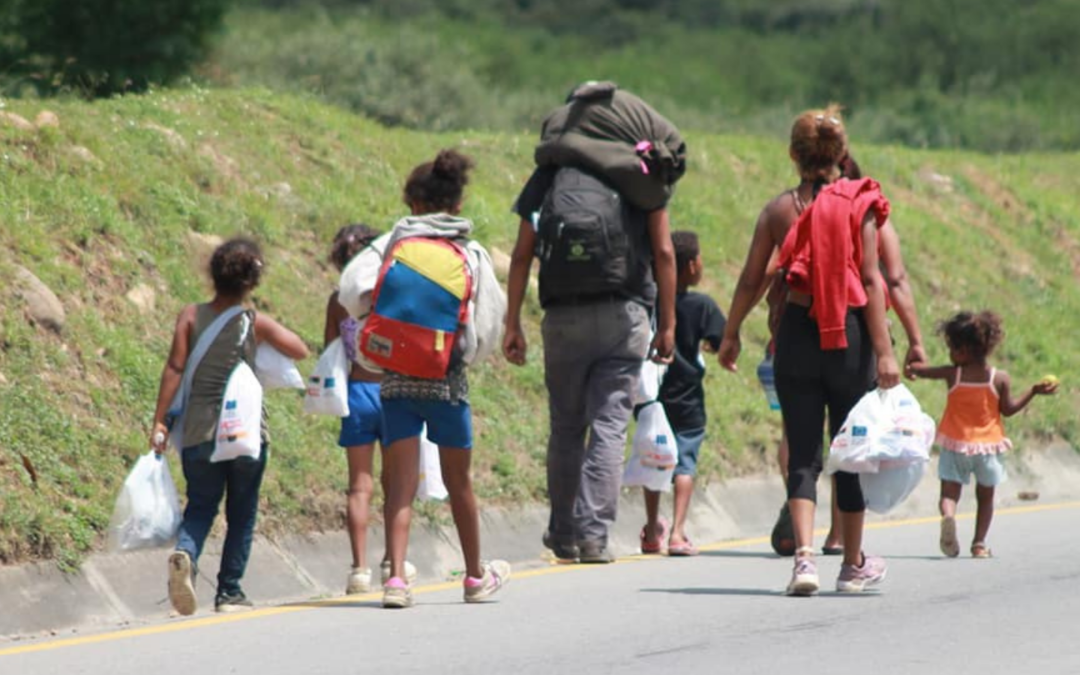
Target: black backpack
[(584, 241)]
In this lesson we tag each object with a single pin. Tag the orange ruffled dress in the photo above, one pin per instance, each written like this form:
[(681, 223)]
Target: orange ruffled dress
[(972, 423)]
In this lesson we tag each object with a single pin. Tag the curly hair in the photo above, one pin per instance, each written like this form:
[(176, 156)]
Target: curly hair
[(439, 185), (349, 241), (976, 333), (819, 144), (236, 266)]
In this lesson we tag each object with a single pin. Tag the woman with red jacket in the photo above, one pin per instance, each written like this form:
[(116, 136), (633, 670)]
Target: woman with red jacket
[(832, 341)]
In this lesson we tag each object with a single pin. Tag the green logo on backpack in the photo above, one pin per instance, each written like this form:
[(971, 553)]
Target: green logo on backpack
[(577, 253)]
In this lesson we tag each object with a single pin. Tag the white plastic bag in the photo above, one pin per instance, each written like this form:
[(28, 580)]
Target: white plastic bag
[(653, 454), (328, 387), (885, 425), (886, 438), (431, 485), (275, 370), (648, 388), (147, 512), (239, 428), (891, 485)]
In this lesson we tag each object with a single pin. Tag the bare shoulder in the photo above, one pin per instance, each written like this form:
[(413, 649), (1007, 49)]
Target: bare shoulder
[(778, 214), (335, 310), (1001, 379), (186, 317), (780, 206)]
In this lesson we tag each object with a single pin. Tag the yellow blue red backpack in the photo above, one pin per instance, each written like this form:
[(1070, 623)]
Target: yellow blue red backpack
[(419, 305)]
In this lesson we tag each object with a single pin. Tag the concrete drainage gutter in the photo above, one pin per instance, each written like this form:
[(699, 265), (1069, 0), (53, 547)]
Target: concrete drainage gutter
[(116, 590)]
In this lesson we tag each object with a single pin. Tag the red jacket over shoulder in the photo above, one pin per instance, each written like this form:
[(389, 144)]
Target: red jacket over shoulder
[(823, 252)]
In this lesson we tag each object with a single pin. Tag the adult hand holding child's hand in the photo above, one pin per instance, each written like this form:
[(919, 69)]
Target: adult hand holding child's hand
[(728, 353)]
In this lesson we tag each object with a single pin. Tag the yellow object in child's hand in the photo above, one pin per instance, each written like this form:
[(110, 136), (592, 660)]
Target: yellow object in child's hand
[(1050, 380)]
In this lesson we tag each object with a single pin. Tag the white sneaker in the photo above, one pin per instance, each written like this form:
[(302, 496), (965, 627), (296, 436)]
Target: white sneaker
[(410, 572), (359, 581), (181, 586), (496, 574), (804, 578)]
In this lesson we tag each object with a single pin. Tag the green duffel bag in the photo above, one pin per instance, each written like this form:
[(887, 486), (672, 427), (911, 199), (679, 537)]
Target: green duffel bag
[(618, 137)]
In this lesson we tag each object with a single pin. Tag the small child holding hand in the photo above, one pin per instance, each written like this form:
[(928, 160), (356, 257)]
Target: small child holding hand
[(971, 435)]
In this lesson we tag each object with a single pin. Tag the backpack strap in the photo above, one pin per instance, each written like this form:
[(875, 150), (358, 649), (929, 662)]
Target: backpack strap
[(202, 345)]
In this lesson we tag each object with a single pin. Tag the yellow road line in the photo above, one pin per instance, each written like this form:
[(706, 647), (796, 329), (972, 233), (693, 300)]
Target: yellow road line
[(187, 624)]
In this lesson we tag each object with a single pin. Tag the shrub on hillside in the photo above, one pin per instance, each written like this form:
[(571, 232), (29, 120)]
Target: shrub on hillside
[(101, 47)]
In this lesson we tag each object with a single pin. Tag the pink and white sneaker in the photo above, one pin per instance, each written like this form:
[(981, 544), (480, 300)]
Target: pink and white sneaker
[(855, 579), (496, 574), (396, 594)]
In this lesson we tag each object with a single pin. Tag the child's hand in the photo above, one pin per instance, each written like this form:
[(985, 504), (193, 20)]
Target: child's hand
[(915, 357), (1047, 385)]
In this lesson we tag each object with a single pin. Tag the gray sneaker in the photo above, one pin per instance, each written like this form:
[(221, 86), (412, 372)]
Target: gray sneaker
[(855, 579), (229, 602), (182, 583), (561, 551), (594, 553)]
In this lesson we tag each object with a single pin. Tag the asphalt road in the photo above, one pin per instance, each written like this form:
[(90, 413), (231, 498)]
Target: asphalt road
[(723, 612)]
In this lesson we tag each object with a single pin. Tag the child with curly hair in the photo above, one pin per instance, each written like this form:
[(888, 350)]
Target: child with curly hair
[(236, 268), (362, 428), (971, 435)]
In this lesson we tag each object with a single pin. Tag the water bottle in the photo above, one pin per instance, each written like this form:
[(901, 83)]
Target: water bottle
[(768, 381)]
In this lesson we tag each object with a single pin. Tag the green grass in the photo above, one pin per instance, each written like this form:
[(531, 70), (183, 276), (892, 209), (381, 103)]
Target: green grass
[(290, 170), (427, 66)]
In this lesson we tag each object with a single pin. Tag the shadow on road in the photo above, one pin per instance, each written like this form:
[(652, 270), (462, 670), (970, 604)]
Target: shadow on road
[(755, 591), (730, 553), (713, 591)]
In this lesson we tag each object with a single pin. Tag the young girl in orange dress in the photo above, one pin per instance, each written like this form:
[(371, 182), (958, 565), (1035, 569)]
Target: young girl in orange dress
[(971, 435)]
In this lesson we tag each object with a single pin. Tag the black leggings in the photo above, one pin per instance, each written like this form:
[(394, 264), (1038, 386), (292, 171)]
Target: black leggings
[(809, 380)]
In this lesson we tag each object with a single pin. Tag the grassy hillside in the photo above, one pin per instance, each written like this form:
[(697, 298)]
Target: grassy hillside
[(977, 74), (112, 207)]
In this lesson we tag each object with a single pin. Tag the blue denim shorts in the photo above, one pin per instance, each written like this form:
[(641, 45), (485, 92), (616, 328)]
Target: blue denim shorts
[(954, 467), (688, 443), (364, 424), (449, 425)]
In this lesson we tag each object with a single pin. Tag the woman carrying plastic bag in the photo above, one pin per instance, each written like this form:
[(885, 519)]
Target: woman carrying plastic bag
[(886, 439)]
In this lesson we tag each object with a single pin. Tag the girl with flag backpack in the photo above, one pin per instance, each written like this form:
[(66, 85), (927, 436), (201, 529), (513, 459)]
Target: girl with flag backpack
[(435, 309), (223, 453)]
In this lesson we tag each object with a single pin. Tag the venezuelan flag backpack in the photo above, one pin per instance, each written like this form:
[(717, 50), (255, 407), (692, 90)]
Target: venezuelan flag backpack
[(420, 302)]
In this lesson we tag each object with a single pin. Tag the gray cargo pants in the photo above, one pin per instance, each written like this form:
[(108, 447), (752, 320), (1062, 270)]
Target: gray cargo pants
[(592, 359)]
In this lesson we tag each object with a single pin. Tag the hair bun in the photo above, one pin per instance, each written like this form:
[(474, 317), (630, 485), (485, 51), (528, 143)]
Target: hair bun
[(451, 165)]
